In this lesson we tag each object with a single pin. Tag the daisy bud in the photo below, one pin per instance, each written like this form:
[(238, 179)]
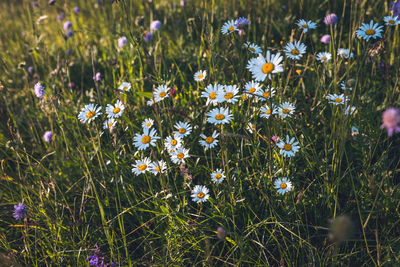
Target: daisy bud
[(47, 136), (326, 39), (331, 19), (155, 25), (391, 120), (221, 233)]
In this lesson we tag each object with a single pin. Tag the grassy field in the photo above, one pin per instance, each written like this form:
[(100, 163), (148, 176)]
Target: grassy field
[(90, 195)]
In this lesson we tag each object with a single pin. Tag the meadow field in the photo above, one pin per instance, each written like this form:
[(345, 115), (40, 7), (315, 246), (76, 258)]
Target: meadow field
[(199, 133)]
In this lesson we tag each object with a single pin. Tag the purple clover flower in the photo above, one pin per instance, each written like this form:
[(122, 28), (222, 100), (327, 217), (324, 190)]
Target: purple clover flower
[(67, 25), (69, 34), (39, 90), (19, 211), (30, 69), (326, 39), (48, 135), (122, 41), (60, 17), (76, 10), (331, 19), (155, 25), (148, 36), (391, 120)]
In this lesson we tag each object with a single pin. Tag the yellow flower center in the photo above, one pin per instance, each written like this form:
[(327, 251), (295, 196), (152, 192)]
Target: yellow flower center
[(231, 28), (200, 195), (180, 156), (286, 111), (213, 95), (200, 76), (110, 125), (142, 167), (125, 88), (146, 139), (304, 26), (90, 114), (148, 124), (370, 32), (295, 52), (337, 100), (252, 48), (266, 94), (220, 117), (182, 130), (174, 142), (228, 95), (268, 112), (287, 147), (283, 186), (162, 94), (218, 176), (209, 140), (391, 21), (158, 169), (323, 58), (116, 110), (268, 68), (252, 90)]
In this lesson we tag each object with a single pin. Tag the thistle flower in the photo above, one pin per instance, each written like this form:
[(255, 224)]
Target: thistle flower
[(331, 19), (47, 136), (391, 120), (19, 211)]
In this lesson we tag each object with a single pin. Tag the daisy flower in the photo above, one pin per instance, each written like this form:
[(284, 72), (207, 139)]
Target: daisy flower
[(350, 110), (109, 123), (219, 116), (262, 68), (354, 130), (229, 27), (200, 75), (211, 93), (252, 88), (209, 141), (172, 142), (141, 166), (200, 194), (89, 113), (370, 30), (391, 20), (345, 87), (148, 138), (283, 185), (183, 129), (157, 167), (295, 50), (253, 48), (288, 148), (217, 176), (263, 95), (324, 56), (306, 25), (160, 93), (116, 110), (147, 123), (337, 99), (125, 87), (266, 111), (345, 53), (229, 94), (179, 155), (286, 109)]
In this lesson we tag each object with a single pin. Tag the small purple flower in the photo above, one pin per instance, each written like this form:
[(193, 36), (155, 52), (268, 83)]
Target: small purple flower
[(221, 233), (97, 77), (93, 260), (148, 37), (241, 22), (48, 135), (155, 25), (381, 64), (396, 9), (39, 90), (391, 120), (19, 211), (69, 34), (331, 19), (76, 10), (182, 3), (122, 41), (51, 2), (60, 17), (71, 85), (68, 51), (67, 25), (34, 4), (326, 39), (241, 32), (172, 92), (30, 69)]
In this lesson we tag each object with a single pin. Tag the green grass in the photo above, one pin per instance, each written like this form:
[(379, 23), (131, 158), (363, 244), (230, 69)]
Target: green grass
[(79, 189)]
